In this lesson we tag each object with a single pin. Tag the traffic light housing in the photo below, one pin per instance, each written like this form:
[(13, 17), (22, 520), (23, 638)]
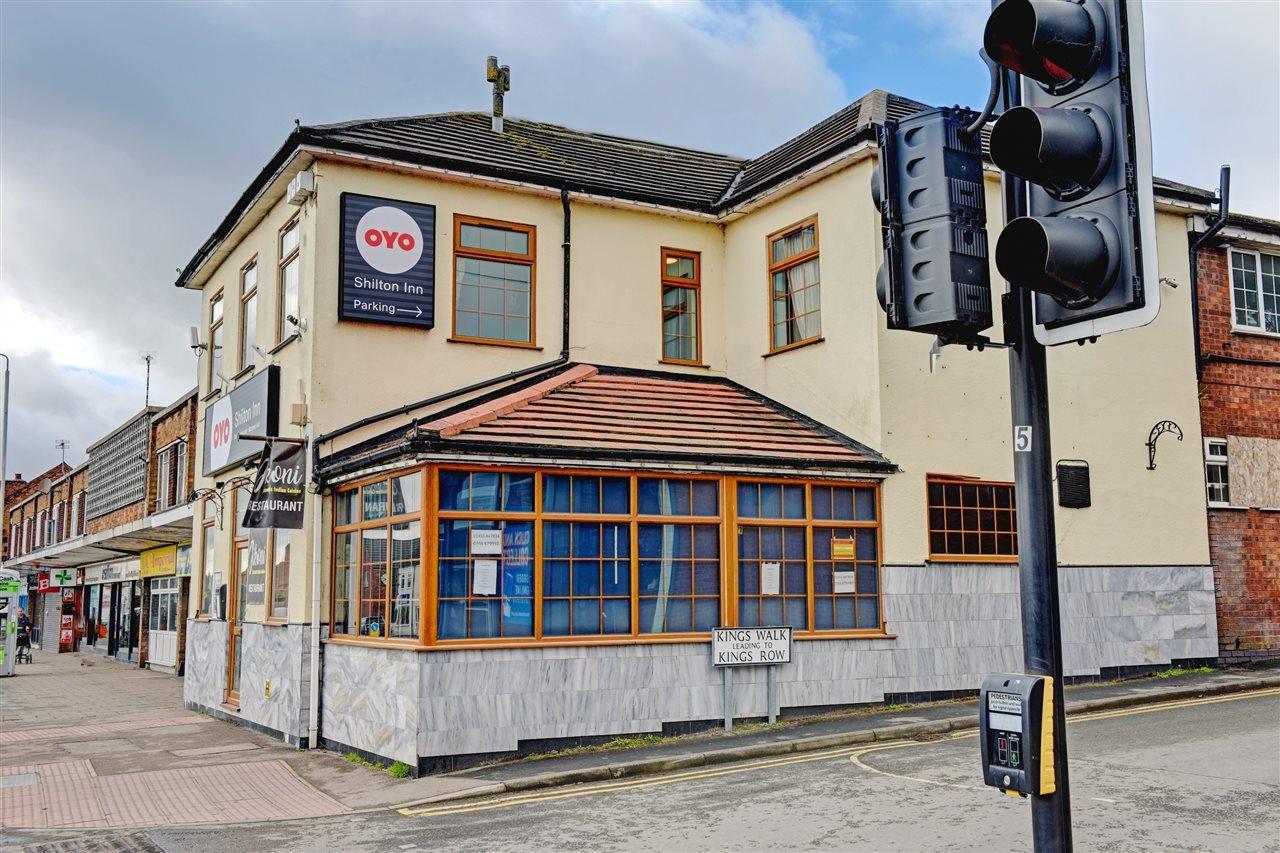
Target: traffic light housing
[(1082, 141), (928, 188)]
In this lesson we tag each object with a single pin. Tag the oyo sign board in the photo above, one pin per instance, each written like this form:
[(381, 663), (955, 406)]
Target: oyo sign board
[(387, 261), (751, 646), (251, 408)]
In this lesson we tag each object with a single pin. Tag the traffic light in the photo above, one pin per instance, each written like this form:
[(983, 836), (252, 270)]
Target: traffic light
[(1082, 141), (929, 191)]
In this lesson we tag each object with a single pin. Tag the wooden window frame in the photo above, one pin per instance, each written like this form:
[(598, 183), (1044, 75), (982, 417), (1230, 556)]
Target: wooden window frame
[(530, 260), (788, 263), (245, 355), (207, 528), (214, 327), (727, 521), (955, 479), (427, 548), (696, 286), (295, 253)]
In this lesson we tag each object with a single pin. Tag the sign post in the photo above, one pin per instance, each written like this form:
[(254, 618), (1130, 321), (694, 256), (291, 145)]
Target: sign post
[(767, 647)]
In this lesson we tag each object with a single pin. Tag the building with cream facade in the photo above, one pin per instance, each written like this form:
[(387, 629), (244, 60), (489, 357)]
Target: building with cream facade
[(656, 396)]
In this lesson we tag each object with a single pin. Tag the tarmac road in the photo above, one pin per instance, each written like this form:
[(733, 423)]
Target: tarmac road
[(1193, 775)]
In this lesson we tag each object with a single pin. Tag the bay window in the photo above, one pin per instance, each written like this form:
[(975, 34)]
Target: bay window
[(524, 556)]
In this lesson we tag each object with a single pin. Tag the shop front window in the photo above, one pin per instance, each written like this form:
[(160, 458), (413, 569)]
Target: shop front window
[(528, 556)]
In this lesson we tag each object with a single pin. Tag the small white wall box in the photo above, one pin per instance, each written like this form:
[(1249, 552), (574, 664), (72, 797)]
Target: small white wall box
[(302, 187)]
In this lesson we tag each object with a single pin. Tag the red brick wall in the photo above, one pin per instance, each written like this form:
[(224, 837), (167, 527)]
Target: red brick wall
[(1240, 400), (1245, 548)]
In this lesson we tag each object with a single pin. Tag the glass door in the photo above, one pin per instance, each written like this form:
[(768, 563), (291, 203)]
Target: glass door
[(235, 619)]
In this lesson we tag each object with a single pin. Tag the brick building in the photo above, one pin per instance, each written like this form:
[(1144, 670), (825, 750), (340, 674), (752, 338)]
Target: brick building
[(1238, 290), (110, 540)]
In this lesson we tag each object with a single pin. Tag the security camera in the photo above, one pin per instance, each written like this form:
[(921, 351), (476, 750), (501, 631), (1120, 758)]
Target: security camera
[(194, 335), (300, 325)]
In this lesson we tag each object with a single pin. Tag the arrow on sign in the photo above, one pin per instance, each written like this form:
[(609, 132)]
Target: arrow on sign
[(419, 310), (63, 577)]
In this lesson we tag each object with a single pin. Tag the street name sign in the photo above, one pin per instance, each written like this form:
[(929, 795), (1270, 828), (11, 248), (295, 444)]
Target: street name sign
[(751, 646), (387, 261)]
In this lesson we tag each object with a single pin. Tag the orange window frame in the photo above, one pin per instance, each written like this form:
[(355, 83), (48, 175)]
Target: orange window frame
[(694, 284), (286, 258), (1009, 530), (727, 521), (247, 294), (426, 550), (217, 317), (787, 263), (528, 259)]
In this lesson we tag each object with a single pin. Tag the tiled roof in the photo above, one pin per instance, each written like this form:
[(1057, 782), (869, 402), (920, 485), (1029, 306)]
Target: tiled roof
[(558, 157), (589, 412), (546, 154), (607, 411)]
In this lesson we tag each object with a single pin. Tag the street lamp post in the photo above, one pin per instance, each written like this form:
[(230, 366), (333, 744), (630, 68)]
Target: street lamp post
[(4, 449)]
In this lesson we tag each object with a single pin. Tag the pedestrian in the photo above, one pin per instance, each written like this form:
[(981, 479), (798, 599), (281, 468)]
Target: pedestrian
[(24, 636)]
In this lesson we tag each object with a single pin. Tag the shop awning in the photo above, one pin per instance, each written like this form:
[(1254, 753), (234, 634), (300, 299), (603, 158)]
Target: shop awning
[(600, 413), (171, 527)]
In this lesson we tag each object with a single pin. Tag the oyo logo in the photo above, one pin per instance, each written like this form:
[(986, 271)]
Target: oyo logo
[(220, 426), (389, 240)]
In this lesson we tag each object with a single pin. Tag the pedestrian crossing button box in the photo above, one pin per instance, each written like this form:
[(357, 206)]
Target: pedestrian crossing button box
[(1015, 722)]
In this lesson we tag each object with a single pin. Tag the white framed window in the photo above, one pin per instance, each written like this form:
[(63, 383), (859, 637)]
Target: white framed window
[(74, 525), (1255, 291), (180, 473), (162, 479), (1216, 477), (57, 523), (41, 527)]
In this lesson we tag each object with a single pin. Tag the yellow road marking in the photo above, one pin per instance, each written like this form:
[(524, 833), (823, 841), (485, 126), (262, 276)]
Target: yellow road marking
[(854, 753)]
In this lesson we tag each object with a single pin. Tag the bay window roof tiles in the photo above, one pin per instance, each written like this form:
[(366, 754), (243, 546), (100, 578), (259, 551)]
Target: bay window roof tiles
[(589, 412)]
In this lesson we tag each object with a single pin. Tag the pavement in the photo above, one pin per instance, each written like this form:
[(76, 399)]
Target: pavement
[(89, 744)]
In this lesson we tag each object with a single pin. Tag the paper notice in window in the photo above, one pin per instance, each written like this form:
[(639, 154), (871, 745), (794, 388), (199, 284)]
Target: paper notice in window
[(484, 578), (486, 541), (842, 582), (770, 578)]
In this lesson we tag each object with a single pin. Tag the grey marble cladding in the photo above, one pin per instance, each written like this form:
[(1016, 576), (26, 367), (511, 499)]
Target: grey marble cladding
[(954, 624), (269, 653)]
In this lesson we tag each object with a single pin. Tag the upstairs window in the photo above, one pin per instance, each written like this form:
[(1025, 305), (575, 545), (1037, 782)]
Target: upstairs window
[(248, 313), (971, 521), (215, 342), (493, 297), (681, 295), (1255, 291), (1216, 477), (795, 286), (290, 241)]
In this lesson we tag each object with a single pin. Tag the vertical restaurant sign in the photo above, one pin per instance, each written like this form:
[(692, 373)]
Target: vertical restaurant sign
[(255, 575), (276, 499), (252, 408), (387, 261)]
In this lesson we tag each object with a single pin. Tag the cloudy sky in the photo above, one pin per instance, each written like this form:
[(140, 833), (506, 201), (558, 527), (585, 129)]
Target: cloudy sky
[(127, 130)]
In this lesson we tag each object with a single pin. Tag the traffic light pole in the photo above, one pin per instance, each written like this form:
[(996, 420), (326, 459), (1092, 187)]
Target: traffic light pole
[(1037, 543)]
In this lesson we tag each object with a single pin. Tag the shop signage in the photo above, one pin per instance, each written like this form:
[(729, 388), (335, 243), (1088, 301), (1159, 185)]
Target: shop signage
[(10, 586), (255, 579), (251, 408), (159, 562), (182, 561), (843, 549), (842, 581), (750, 646), (486, 541), (387, 261), (276, 498), (122, 570), (45, 583)]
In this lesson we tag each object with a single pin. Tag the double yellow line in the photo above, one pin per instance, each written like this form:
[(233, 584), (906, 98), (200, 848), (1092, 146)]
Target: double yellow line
[(854, 753)]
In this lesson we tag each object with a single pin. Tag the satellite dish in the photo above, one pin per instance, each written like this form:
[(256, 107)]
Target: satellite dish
[(46, 486)]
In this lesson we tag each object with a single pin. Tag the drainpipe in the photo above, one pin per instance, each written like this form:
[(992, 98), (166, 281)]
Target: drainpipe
[(313, 705), (1224, 210)]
